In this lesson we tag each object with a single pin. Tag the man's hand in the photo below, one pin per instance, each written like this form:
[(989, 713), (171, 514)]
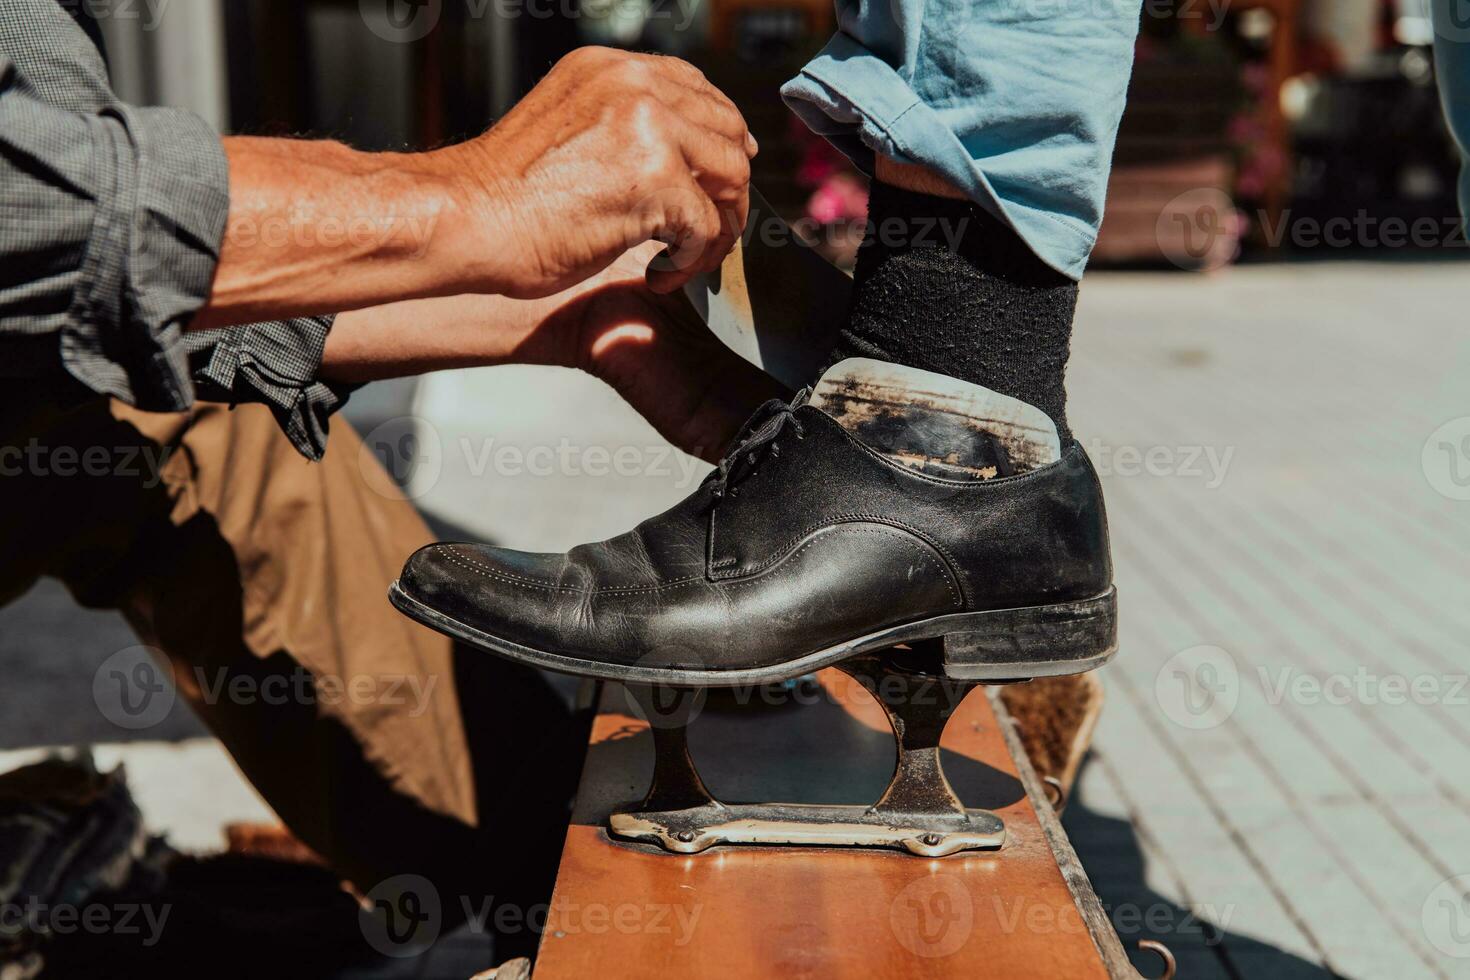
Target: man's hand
[(610, 150), (652, 349), (656, 353)]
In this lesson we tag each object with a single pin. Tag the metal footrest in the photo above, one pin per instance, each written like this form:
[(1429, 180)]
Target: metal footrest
[(700, 828), (918, 813)]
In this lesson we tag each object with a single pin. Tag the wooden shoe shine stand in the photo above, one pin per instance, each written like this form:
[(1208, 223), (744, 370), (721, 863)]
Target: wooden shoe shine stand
[(624, 909), (994, 891)]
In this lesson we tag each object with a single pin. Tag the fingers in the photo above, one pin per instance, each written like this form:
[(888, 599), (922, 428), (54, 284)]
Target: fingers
[(709, 108), (716, 171), (722, 168), (740, 218), (684, 89), (707, 127), (721, 164), (674, 156), (709, 259), (701, 229), (692, 227)]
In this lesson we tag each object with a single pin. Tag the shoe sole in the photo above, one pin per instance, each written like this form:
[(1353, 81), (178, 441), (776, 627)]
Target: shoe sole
[(994, 646)]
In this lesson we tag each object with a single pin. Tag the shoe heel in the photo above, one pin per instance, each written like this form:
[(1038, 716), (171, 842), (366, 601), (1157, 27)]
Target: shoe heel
[(1037, 641)]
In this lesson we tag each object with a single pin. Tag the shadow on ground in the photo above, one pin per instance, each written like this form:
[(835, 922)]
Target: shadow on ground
[(1114, 860)]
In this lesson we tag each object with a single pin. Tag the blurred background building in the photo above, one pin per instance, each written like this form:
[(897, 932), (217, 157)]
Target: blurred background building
[(1251, 124)]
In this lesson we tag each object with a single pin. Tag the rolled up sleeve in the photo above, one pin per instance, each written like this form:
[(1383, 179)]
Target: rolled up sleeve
[(275, 364), (113, 218), (119, 221)]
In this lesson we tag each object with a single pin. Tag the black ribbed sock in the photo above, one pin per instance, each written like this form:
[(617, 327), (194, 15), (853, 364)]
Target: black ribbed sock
[(943, 286)]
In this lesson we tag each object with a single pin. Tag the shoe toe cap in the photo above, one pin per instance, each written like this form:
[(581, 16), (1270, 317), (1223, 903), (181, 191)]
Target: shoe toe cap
[(497, 590), (425, 574), (441, 569)]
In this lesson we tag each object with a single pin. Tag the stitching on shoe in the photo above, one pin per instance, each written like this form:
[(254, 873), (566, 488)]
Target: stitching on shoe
[(783, 552), (469, 564), (944, 572), (484, 570)]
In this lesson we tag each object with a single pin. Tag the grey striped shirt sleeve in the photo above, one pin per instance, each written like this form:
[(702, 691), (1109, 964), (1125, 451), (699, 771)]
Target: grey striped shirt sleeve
[(111, 219)]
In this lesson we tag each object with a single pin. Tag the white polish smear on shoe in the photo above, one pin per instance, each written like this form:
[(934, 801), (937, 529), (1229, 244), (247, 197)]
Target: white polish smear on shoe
[(937, 425)]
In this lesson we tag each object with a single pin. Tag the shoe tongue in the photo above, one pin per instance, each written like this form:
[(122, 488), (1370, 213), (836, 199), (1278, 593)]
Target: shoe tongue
[(935, 424)]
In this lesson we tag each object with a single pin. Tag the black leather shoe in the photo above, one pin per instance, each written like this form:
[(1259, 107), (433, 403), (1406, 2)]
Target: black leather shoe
[(893, 507)]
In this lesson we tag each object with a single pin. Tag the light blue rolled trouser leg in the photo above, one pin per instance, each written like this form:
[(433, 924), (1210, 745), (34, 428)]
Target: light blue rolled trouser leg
[(1016, 102), (1452, 63)]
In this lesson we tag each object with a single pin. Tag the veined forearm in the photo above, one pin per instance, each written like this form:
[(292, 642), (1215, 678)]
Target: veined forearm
[(316, 227), (609, 151)]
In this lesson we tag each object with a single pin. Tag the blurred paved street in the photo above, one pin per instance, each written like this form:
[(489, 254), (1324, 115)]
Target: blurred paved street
[(1283, 753), (1278, 788)]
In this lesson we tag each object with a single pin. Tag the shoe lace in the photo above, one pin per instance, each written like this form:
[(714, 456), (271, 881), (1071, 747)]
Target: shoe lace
[(762, 431)]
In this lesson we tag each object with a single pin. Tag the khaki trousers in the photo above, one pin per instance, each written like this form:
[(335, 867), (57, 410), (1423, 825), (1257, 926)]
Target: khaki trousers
[(235, 558)]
